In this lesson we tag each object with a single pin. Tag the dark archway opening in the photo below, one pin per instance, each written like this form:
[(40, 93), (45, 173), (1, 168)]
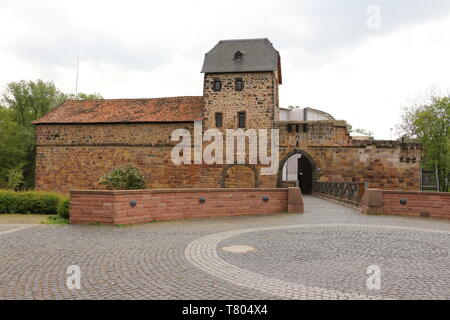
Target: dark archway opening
[(305, 175), (299, 168)]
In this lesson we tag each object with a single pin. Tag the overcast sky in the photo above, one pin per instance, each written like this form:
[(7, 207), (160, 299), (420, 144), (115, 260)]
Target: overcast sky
[(336, 55)]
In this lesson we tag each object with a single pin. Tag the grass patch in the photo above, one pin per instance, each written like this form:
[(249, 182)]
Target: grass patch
[(55, 220), (94, 224), (23, 218), (134, 224)]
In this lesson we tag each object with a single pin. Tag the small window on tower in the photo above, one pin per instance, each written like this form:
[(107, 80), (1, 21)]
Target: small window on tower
[(239, 84), (219, 119), (241, 119), (217, 85)]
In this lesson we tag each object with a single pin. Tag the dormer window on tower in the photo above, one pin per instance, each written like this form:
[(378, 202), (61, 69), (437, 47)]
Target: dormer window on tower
[(238, 56)]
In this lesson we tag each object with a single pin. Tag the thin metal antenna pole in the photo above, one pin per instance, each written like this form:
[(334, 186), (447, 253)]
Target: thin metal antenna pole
[(265, 26)]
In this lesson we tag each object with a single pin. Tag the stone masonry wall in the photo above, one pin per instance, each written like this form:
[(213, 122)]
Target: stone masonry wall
[(379, 163), (259, 99), (126, 134), (77, 156), (80, 167), (240, 177)]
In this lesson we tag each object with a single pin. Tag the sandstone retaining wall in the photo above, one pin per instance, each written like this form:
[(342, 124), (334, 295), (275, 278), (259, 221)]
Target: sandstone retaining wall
[(408, 203), (137, 206)]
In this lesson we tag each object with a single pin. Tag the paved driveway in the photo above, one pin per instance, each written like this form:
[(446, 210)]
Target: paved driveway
[(321, 254)]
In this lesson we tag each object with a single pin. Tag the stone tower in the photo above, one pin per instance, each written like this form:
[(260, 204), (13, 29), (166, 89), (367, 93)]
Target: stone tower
[(240, 87)]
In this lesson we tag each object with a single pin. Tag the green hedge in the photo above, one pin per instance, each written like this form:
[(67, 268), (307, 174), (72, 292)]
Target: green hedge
[(63, 209), (30, 202)]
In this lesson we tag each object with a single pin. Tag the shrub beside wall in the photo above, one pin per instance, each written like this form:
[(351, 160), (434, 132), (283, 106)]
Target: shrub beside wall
[(124, 178), (30, 202)]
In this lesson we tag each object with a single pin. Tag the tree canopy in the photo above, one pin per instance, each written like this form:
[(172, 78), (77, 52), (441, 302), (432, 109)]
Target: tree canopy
[(429, 124), (20, 104)]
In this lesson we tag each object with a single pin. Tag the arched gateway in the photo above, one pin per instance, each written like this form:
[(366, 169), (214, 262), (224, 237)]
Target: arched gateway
[(300, 167)]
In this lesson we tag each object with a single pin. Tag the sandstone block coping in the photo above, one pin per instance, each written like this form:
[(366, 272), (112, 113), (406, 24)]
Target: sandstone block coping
[(425, 193), (185, 190)]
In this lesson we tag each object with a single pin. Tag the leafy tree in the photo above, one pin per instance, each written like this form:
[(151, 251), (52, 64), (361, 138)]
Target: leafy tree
[(25, 101), (349, 127), (429, 123), (14, 142), (15, 178), (31, 99), (83, 96)]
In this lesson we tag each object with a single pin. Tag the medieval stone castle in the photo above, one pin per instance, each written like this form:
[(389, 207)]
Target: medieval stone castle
[(79, 141)]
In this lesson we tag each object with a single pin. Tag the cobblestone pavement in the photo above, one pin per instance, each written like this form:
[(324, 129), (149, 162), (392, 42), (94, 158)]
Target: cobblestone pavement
[(321, 254)]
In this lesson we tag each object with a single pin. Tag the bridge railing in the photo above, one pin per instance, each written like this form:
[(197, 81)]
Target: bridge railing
[(350, 192)]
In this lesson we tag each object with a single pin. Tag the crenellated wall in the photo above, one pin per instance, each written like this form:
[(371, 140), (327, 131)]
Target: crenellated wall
[(336, 157)]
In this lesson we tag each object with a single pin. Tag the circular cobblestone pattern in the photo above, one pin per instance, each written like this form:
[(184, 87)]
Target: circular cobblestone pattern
[(414, 264), (321, 254)]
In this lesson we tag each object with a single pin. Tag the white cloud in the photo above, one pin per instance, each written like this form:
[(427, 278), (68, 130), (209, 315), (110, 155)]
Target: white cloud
[(367, 85), (330, 60)]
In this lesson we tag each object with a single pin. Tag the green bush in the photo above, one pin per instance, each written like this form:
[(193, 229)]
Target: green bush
[(29, 202), (63, 209), (124, 178)]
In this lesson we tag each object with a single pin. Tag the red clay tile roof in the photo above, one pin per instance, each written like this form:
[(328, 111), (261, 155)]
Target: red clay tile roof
[(174, 109)]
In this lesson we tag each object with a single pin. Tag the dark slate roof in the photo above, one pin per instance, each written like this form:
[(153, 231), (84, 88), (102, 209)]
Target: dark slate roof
[(173, 109), (258, 55)]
